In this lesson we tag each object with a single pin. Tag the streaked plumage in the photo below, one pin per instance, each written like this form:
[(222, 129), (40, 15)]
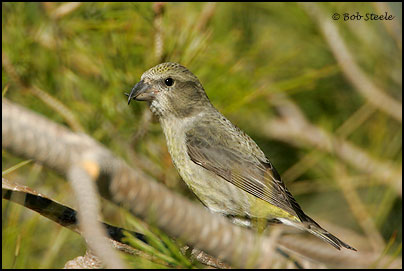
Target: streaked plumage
[(222, 165)]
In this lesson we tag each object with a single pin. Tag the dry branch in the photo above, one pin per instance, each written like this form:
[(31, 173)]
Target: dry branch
[(292, 127), (362, 83), (30, 135)]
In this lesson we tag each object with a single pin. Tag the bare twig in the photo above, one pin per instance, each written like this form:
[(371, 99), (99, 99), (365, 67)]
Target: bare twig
[(158, 8), (82, 178), (313, 250), (59, 213), (44, 96), (62, 10), (368, 89), (393, 27), (30, 135), (206, 15), (358, 208), (310, 159), (293, 128), (65, 216)]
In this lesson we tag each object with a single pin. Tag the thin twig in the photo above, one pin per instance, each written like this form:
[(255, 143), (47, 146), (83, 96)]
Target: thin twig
[(65, 216), (82, 180), (393, 27), (158, 8), (62, 10), (206, 15), (346, 128), (27, 134), (362, 83), (358, 208), (294, 128), (52, 102), (313, 250)]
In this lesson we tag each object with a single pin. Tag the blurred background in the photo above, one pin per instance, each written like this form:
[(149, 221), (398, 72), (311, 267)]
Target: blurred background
[(322, 98)]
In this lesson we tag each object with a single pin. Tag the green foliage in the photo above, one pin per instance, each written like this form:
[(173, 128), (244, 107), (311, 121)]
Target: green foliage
[(167, 254)]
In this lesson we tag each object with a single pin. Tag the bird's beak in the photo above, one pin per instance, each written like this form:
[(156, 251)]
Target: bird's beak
[(141, 92)]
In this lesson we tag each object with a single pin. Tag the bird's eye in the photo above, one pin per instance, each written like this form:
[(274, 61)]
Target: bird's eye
[(169, 81)]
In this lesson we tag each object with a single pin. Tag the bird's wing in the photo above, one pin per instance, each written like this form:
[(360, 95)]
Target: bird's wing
[(241, 168)]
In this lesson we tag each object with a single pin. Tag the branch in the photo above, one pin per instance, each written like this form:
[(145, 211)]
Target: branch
[(65, 216), (293, 128), (349, 67), (27, 134)]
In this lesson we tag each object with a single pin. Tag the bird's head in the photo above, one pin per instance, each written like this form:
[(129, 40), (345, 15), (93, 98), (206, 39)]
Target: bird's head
[(172, 90)]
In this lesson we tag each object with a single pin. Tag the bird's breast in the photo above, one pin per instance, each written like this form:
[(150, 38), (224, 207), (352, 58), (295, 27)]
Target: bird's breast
[(215, 193)]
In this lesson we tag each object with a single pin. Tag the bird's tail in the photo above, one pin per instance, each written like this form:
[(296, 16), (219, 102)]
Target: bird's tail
[(312, 227), (328, 237)]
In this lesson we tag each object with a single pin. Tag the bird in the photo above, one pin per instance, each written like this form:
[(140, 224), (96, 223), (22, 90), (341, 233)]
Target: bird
[(220, 163)]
